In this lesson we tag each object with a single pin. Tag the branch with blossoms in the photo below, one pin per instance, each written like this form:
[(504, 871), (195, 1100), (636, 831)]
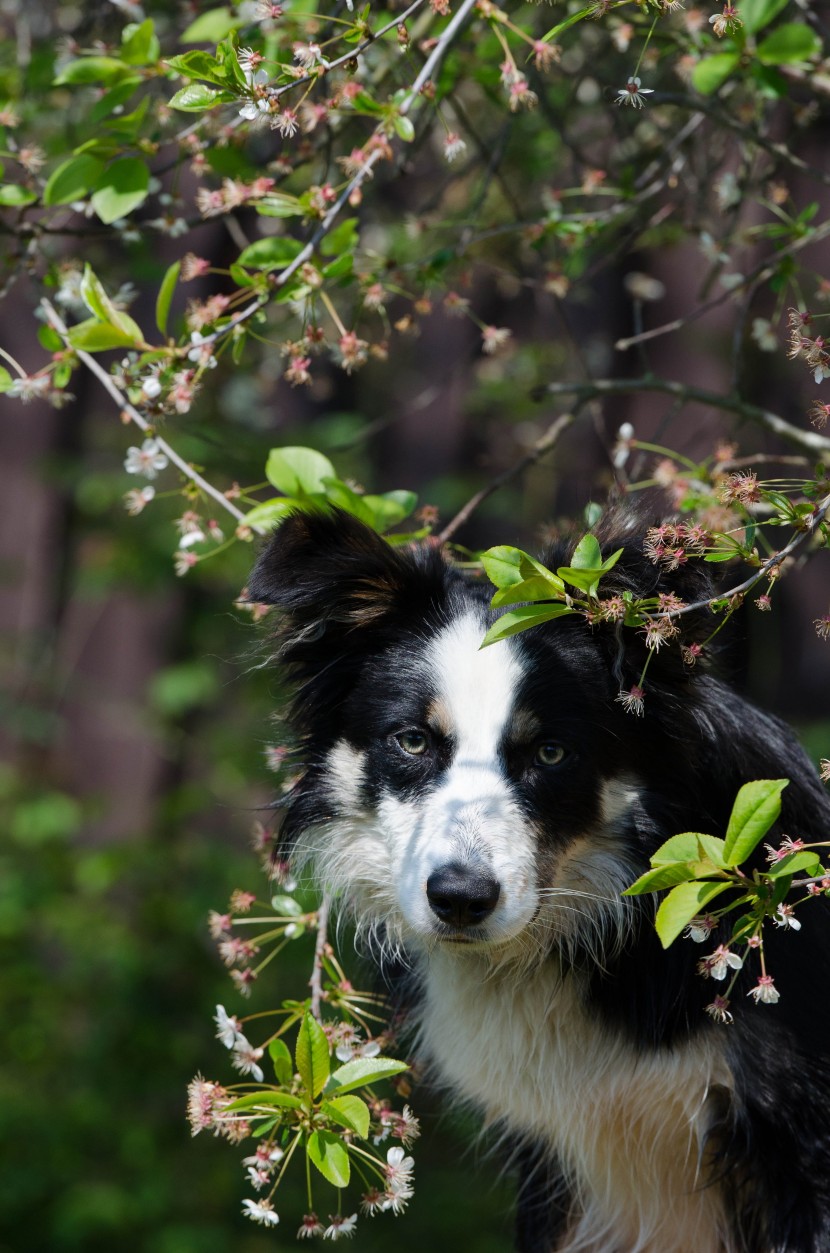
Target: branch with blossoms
[(699, 869), (319, 1109)]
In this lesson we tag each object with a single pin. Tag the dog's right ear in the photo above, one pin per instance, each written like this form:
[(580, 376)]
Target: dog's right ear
[(328, 568)]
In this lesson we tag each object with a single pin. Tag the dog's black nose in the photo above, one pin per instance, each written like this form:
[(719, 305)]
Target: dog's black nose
[(463, 896)]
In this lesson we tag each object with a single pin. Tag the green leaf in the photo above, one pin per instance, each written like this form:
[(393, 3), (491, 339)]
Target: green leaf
[(344, 497), (121, 188), (234, 74), (341, 239), (710, 73), (283, 1065), (587, 554), (197, 97), (390, 508), (5, 379), (663, 876), (287, 906), (793, 863), (794, 41), (298, 471), (13, 196), (198, 65), (349, 1111), (506, 566), (362, 1072), (533, 589), (312, 1055), (404, 128), (568, 22), (139, 44), (271, 512), (756, 14), (521, 619), (690, 846), (72, 180), (722, 556), (210, 27), (165, 296), (106, 70), (756, 808), (328, 1154), (98, 302), (340, 269), (273, 253), (283, 1099), (587, 567), (682, 904), (95, 336), (278, 205), (49, 338), (114, 98)]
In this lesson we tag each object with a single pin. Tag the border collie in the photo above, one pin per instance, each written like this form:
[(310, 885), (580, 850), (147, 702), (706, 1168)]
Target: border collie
[(480, 812)]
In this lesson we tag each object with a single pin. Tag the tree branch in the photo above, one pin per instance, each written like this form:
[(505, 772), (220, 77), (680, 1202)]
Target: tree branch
[(816, 443), (773, 563), (123, 403), (316, 980), (542, 446)]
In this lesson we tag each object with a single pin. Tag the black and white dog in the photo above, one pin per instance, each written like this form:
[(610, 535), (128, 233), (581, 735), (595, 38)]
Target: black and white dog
[(480, 812)]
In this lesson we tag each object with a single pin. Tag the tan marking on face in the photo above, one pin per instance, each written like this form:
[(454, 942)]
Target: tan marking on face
[(524, 727), (439, 718)]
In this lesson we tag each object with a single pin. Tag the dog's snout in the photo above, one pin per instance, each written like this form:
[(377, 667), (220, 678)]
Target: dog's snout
[(462, 896)]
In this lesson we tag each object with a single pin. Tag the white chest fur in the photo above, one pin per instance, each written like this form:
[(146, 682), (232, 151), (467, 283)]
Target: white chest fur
[(627, 1127)]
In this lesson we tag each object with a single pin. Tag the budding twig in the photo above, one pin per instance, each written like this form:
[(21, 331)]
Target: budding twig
[(811, 524), (542, 446)]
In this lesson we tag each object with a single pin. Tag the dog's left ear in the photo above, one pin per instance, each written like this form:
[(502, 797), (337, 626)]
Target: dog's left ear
[(327, 569)]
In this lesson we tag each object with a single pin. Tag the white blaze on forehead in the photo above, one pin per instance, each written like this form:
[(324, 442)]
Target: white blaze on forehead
[(477, 688)]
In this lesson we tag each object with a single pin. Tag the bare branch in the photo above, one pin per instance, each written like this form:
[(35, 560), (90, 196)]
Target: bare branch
[(816, 443), (542, 446), (316, 980)]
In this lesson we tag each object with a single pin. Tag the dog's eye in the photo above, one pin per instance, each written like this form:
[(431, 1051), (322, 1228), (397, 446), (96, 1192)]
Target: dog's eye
[(413, 742), (550, 754)]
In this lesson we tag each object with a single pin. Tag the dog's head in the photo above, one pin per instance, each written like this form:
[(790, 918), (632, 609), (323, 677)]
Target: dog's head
[(490, 798)]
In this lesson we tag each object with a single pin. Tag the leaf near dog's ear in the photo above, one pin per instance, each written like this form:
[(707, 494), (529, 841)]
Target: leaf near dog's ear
[(521, 619), (587, 554), (682, 904), (756, 808), (362, 1072), (533, 589), (312, 1055), (298, 471), (503, 565), (507, 566)]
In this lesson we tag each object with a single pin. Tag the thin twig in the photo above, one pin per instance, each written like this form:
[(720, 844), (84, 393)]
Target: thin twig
[(731, 404), (764, 270), (542, 446), (139, 419), (316, 980)]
